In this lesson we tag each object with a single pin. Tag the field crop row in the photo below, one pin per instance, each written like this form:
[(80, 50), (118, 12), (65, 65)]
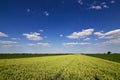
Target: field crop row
[(66, 67), (111, 57)]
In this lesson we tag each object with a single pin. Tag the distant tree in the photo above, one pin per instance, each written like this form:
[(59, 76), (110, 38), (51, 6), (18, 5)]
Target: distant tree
[(108, 52)]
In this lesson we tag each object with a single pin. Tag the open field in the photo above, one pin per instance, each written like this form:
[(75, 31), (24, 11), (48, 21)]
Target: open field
[(59, 67), (111, 57), (13, 56)]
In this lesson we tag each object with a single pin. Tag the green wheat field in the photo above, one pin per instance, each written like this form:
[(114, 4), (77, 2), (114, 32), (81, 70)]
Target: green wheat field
[(59, 67)]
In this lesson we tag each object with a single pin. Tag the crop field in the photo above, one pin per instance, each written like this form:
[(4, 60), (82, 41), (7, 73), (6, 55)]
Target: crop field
[(58, 67), (111, 57)]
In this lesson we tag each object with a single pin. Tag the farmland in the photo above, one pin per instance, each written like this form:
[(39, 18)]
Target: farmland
[(58, 67), (111, 57)]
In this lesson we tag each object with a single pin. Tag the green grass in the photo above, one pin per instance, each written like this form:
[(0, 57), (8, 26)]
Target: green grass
[(111, 57), (11, 56), (65, 67)]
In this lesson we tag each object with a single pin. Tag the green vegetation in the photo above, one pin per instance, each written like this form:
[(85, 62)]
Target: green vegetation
[(11, 56), (65, 67), (111, 57)]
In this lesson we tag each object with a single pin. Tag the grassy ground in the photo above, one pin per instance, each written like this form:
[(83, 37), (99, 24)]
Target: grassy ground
[(111, 57), (11, 56), (65, 67)]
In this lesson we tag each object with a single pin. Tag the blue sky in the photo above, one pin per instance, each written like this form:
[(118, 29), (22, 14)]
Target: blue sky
[(59, 26)]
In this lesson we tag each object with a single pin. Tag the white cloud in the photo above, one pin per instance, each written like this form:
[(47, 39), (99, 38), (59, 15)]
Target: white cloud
[(103, 3), (112, 1), (30, 44), (5, 44), (109, 35), (61, 35), (108, 42), (80, 2), (44, 44), (8, 42), (15, 38), (46, 13), (113, 41), (33, 36), (71, 44), (3, 34), (86, 39), (96, 7), (28, 10), (82, 34), (99, 6), (105, 6), (41, 30), (40, 44)]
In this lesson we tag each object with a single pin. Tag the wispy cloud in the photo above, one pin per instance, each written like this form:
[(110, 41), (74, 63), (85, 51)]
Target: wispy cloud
[(15, 38), (113, 41), (105, 6), (28, 10), (39, 44), (113, 37), (31, 44), (82, 34), (46, 13), (61, 35), (71, 44), (109, 35), (44, 44), (8, 42), (98, 7), (3, 34), (33, 36), (112, 1), (109, 42), (86, 39), (41, 30), (5, 44), (80, 2)]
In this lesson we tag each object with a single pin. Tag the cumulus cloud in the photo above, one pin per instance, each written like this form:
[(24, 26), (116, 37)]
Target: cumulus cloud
[(71, 44), (109, 35), (40, 44), (3, 34), (82, 34), (33, 36)]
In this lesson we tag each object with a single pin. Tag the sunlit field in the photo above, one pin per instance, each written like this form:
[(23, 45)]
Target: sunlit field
[(58, 67)]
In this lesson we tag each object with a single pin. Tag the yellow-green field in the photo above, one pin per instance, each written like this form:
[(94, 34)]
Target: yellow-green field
[(59, 67)]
